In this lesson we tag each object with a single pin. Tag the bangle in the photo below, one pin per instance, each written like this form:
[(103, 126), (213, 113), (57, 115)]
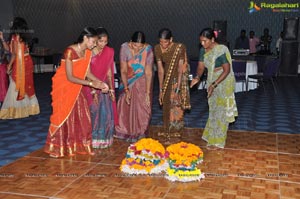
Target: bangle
[(214, 84), (197, 77), (160, 90), (177, 90), (93, 92), (90, 83), (126, 90), (111, 90)]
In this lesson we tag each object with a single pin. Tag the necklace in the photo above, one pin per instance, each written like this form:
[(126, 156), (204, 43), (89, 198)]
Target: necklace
[(81, 52)]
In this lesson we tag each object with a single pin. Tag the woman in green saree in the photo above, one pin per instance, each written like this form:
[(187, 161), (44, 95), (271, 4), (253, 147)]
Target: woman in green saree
[(220, 90)]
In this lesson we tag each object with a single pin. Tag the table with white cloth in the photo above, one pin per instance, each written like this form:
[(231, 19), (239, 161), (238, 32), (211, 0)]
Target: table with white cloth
[(251, 69)]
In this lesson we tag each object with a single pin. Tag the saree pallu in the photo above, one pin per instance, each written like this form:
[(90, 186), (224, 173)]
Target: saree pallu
[(104, 111), (173, 109), (3, 82), (20, 100), (70, 123), (222, 105), (134, 119)]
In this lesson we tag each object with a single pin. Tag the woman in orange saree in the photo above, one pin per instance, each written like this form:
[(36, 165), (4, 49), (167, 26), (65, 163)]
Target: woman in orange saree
[(20, 100), (70, 129)]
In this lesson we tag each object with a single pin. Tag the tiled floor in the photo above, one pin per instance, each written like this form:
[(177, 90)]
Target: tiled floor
[(253, 165)]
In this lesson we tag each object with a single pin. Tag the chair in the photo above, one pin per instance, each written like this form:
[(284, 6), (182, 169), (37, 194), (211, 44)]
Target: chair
[(239, 70), (270, 71)]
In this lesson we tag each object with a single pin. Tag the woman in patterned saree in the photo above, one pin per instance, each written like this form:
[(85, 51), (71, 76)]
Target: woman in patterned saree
[(70, 128), (221, 82), (102, 105), (134, 104), (173, 83), (20, 100)]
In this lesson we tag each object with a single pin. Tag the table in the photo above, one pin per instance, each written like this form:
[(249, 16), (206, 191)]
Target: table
[(251, 68), (38, 59)]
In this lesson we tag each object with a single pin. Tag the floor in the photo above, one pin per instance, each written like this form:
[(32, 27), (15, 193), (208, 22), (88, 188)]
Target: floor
[(261, 158), (253, 165)]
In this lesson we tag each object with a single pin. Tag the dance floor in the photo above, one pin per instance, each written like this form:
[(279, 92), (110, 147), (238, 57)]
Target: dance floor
[(252, 165), (261, 158)]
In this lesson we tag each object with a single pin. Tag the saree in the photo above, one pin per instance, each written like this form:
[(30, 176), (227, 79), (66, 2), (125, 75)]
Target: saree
[(70, 123), (3, 73), (20, 100), (134, 119), (173, 110), (103, 110), (222, 105), (3, 81)]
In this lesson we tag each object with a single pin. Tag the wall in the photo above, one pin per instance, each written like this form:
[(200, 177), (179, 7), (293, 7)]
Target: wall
[(6, 10), (58, 23)]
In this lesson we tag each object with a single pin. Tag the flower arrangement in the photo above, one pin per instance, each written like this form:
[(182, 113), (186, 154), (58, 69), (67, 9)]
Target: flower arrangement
[(183, 158), (147, 156)]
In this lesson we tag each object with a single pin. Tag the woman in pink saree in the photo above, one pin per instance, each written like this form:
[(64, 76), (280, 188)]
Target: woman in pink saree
[(134, 104), (102, 105)]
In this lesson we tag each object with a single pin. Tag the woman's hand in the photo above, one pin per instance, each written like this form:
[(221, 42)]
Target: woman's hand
[(9, 69), (127, 97), (147, 100), (177, 99), (210, 90), (160, 99), (112, 95), (194, 82), (104, 87)]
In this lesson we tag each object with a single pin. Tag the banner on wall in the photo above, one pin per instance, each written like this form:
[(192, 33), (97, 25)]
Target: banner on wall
[(274, 7)]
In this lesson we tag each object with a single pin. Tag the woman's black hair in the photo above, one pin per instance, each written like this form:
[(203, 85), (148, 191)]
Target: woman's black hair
[(138, 37), (88, 32), (19, 27), (208, 33), (165, 33), (101, 32)]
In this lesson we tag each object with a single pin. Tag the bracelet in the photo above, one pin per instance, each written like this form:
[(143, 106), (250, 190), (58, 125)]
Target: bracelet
[(126, 90), (197, 77), (214, 84), (111, 90), (93, 92), (177, 90), (90, 83), (160, 90)]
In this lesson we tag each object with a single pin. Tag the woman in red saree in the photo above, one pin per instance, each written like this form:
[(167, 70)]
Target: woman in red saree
[(4, 49), (134, 104), (102, 105), (20, 100), (70, 123)]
